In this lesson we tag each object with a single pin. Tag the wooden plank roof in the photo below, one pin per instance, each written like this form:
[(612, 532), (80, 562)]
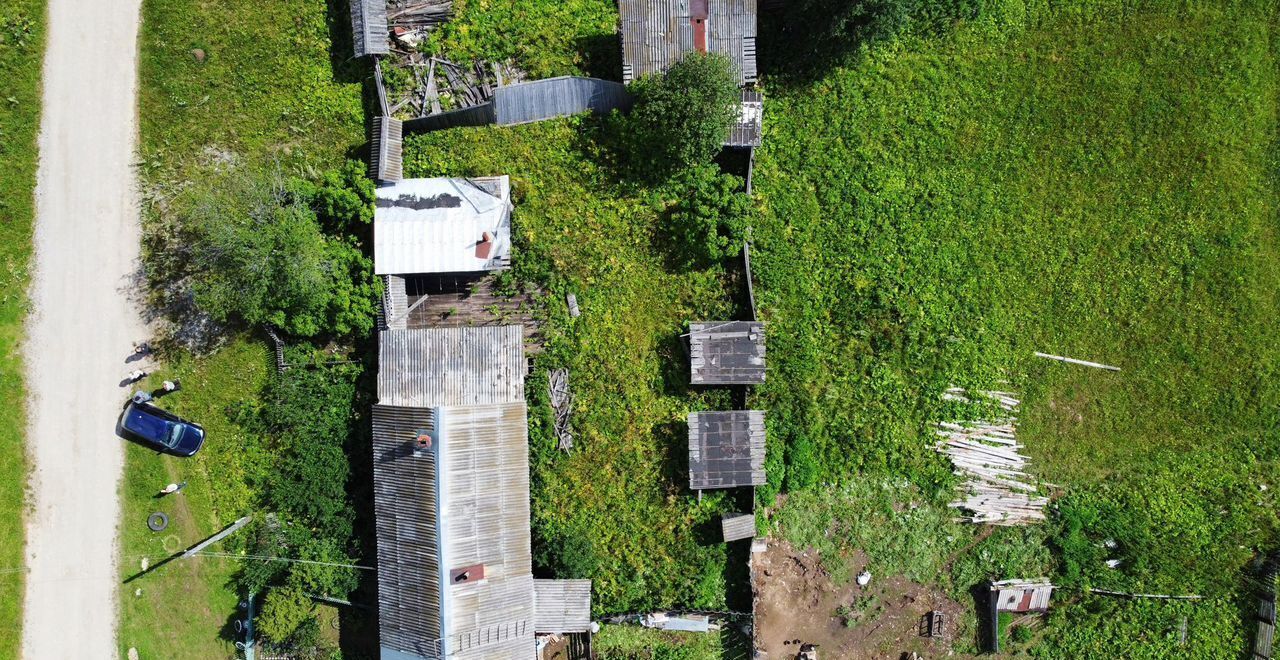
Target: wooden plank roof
[(726, 353), (386, 162), (726, 449), (455, 366), (658, 33), (562, 606)]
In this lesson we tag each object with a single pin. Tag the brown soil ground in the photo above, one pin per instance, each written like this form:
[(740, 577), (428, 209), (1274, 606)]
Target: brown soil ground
[(799, 604)]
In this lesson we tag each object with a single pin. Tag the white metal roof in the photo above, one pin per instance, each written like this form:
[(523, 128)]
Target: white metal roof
[(436, 225)]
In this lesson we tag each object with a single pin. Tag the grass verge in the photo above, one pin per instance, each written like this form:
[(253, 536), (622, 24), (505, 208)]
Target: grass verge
[(22, 32)]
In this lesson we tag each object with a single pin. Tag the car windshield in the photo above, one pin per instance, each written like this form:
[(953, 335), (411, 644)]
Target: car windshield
[(175, 435)]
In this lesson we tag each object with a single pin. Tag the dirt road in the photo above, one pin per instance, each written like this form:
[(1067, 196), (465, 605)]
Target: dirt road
[(81, 328)]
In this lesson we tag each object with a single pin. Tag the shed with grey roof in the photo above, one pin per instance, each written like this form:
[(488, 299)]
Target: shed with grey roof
[(442, 225), (726, 449), (658, 33), (451, 499), (726, 353), (562, 606), (737, 526)]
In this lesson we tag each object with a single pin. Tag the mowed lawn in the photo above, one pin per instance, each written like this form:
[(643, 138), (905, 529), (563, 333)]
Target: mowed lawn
[(1098, 183), (22, 30)]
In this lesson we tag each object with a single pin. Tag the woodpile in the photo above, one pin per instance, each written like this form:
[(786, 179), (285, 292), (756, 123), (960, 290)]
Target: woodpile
[(562, 406), (997, 489), (418, 13)]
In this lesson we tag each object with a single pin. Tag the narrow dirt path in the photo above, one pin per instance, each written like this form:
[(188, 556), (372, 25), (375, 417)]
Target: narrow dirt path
[(81, 327)]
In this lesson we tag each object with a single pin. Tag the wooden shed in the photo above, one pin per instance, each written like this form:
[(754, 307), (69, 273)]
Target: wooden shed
[(369, 27), (562, 606), (1021, 595), (386, 145), (738, 526), (726, 449), (726, 353)]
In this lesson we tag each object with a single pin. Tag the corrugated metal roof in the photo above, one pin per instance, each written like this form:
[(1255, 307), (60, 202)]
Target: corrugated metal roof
[(386, 163), (738, 526), (463, 502), (537, 100), (726, 353), (562, 606), (455, 366), (485, 520), (406, 508), (436, 226), (658, 33), (369, 27), (726, 449)]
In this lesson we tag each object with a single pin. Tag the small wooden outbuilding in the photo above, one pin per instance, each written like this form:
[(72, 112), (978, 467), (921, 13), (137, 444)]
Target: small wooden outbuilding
[(726, 449), (726, 353)]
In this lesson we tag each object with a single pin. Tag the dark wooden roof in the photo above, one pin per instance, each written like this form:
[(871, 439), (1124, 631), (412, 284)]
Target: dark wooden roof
[(658, 33), (726, 353), (369, 27), (726, 449)]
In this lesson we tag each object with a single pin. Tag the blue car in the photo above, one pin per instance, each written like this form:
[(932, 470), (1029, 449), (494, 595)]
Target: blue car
[(159, 429)]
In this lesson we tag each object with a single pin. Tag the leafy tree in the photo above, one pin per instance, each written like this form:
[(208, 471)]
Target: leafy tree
[(707, 214), (283, 611), (682, 117), (256, 252)]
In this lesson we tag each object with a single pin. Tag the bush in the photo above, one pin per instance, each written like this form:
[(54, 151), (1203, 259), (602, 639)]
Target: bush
[(1020, 634), (682, 117), (707, 214), (254, 250), (283, 611)]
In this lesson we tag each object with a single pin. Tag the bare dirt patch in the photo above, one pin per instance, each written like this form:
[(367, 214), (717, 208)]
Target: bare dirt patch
[(799, 604)]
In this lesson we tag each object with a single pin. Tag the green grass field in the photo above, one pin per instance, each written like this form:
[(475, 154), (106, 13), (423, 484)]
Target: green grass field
[(185, 608), (22, 29), (1094, 183)]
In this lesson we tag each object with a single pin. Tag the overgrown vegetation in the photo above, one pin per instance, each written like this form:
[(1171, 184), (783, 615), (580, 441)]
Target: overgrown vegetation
[(944, 187), (248, 114), (22, 31), (258, 248), (1095, 181)]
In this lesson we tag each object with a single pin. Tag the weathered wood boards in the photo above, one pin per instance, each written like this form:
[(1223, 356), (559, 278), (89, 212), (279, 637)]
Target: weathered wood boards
[(997, 488)]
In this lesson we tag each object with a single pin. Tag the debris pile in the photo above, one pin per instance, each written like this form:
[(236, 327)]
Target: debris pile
[(997, 490), (562, 405)]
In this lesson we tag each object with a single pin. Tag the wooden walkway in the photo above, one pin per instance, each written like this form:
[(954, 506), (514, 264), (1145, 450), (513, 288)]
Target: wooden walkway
[(452, 303)]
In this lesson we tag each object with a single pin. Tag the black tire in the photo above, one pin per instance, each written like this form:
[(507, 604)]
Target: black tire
[(157, 522)]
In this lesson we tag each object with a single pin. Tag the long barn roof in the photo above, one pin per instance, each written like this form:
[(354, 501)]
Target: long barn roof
[(456, 502)]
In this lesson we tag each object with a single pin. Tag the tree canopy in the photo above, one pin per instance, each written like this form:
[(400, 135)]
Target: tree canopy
[(682, 117), (258, 251)]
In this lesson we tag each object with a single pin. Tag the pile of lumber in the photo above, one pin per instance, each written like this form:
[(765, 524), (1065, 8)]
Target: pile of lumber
[(997, 490), (562, 406), (418, 13)]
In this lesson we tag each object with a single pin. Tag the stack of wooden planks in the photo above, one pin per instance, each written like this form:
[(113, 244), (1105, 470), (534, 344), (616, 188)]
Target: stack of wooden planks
[(997, 490), (562, 406)]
